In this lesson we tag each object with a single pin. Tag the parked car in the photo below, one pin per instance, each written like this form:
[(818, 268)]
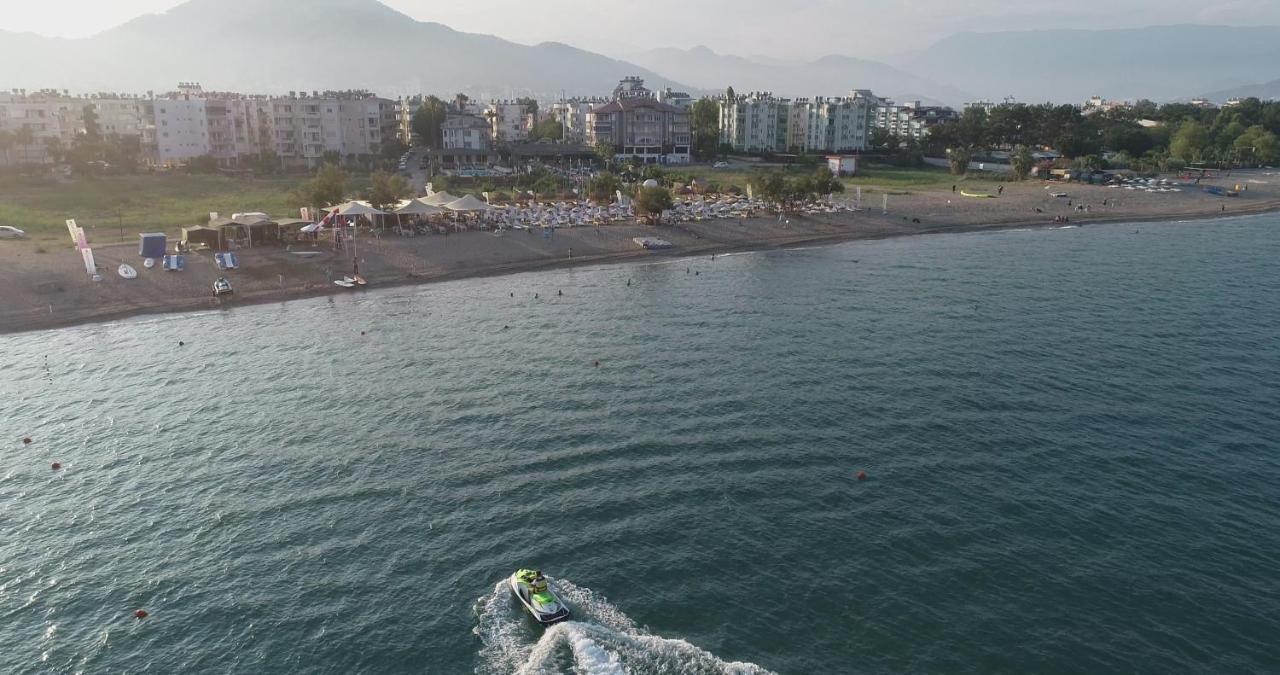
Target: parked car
[(720, 165), (7, 232)]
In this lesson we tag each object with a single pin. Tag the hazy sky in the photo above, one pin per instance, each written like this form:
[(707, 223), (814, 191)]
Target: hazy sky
[(779, 28)]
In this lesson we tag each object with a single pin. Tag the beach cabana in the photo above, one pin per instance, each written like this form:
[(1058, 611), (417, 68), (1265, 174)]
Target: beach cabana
[(202, 235), (439, 199)]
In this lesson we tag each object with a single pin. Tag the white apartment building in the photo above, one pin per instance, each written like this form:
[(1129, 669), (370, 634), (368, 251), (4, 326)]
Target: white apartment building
[(676, 99), (573, 114), (182, 131), (466, 132), (910, 119), (509, 121), (756, 122), (43, 115)]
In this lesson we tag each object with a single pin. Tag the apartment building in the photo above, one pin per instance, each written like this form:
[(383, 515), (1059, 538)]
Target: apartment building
[(37, 116), (640, 127), (510, 121), (573, 114), (756, 122), (181, 127), (466, 132), (910, 119), (676, 99)]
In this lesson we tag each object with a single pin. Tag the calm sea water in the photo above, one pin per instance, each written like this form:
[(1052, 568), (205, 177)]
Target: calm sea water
[(1070, 438)]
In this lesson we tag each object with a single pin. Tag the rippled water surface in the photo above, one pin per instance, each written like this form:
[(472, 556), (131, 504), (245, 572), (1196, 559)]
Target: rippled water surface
[(1070, 439)]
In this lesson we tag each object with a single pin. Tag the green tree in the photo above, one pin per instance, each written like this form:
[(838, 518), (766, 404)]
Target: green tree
[(1257, 146), (1189, 141), (427, 121), (770, 186), (6, 143), (958, 159), (202, 164), (327, 188), (606, 153), (24, 137), (266, 163), (386, 189), (460, 101), (393, 149), (89, 117), (705, 118), (604, 186), (651, 202), (1021, 162), (549, 129), (53, 148)]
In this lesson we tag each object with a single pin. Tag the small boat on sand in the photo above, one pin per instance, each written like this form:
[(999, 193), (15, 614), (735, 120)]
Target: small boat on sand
[(345, 282), (127, 272)]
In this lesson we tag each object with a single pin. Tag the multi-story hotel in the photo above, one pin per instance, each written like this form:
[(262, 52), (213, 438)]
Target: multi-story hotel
[(640, 127)]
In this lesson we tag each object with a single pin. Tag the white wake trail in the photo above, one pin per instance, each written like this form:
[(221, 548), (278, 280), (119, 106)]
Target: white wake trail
[(601, 640)]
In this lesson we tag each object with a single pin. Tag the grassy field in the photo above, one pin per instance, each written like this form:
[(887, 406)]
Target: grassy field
[(107, 206), (872, 177)]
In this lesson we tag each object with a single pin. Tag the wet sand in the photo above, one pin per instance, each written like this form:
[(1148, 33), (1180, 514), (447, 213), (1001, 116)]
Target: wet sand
[(51, 289)]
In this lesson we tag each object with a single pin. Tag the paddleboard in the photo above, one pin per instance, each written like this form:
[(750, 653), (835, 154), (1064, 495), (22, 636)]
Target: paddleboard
[(128, 272)]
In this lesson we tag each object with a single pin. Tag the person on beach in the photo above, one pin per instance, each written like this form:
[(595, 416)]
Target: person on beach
[(953, 189), (1000, 191)]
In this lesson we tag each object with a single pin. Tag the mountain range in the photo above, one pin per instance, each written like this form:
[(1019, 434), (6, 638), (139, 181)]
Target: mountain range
[(828, 76), (1159, 63), (276, 46)]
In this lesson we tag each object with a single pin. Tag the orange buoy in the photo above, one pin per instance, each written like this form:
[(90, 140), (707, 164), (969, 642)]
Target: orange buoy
[(141, 614), (26, 440), (56, 466), (862, 475)]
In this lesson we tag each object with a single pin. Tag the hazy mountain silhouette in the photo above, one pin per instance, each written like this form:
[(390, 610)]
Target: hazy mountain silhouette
[(828, 76), (1068, 66), (1265, 91), (274, 46)]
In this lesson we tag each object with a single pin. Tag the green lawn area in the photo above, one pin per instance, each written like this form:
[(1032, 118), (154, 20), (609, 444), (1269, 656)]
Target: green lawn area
[(872, 177), (143, 203)]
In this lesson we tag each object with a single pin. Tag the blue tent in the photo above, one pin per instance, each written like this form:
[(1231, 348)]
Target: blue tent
[(153, 245)]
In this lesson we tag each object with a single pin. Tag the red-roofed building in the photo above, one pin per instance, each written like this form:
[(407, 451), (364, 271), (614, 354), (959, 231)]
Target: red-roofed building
[(639, 126)]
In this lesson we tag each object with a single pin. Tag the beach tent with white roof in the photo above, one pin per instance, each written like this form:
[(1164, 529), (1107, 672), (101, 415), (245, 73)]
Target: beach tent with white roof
[(439, 199), (468, 204)]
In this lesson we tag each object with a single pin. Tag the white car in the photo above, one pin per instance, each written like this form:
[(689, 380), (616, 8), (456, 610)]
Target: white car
[(7, 232), (720, 165)]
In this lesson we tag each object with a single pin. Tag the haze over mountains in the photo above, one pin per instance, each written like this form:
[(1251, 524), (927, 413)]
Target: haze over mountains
[(275, 46)]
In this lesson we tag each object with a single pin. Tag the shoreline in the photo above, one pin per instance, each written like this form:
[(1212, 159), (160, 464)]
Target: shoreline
[(48, 289), (33, 321)]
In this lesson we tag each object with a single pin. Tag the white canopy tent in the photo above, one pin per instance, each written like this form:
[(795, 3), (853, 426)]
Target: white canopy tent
[(468, 204), (417, 207), (439, 199)]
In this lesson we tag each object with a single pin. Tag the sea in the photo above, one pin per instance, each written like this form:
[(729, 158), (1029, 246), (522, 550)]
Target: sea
[(1023, 451)]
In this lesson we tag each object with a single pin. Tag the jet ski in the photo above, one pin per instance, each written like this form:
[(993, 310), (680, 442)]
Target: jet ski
[(535, 594)]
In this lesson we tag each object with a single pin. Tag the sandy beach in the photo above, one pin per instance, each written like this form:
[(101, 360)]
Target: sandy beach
[(50, 289)]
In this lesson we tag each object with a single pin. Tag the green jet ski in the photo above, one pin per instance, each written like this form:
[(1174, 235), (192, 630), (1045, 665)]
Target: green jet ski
[(534, 592)]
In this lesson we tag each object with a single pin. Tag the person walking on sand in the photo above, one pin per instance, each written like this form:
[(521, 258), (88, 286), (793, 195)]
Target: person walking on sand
[(1000, 191), (953, 189)]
